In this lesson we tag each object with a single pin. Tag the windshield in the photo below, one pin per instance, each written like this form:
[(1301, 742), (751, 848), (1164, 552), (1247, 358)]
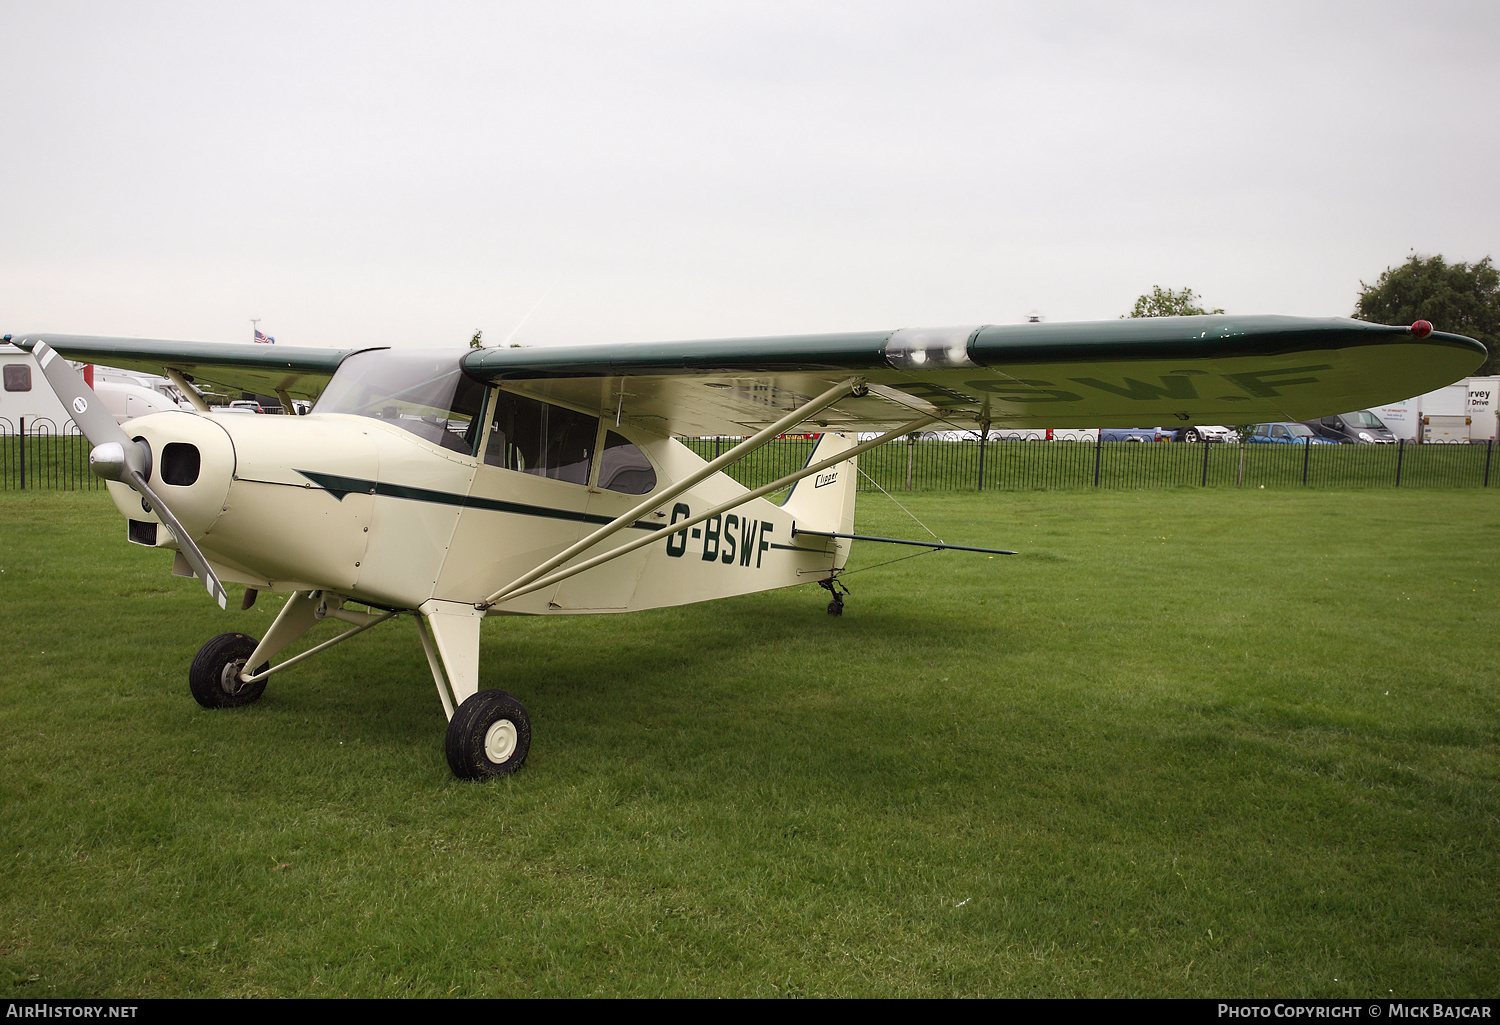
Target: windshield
[(1299, 430), (1363, 419), (425, 393)]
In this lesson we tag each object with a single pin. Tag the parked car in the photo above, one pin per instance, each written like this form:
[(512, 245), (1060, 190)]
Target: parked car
[(1361, 428), (1195, 434), (1204, 432), (1287, 434)]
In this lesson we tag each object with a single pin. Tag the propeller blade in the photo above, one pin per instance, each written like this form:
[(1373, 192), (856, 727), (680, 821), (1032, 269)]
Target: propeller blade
[(97, 423), (184, 543), (116, 457)]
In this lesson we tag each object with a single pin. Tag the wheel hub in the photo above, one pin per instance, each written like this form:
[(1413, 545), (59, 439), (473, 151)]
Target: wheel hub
[(500, 741), (229, 678)]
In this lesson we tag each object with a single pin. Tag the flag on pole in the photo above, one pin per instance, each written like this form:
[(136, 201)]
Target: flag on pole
[(267, 339)]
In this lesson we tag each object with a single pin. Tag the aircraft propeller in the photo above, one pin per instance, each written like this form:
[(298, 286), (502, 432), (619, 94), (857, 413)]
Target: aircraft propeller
[(116, 457)]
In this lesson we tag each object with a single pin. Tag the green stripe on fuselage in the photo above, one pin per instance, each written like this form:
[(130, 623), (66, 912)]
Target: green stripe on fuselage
[(338, 487)]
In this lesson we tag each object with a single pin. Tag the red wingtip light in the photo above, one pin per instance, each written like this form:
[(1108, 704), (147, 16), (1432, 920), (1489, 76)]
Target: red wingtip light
[(1421, 329)]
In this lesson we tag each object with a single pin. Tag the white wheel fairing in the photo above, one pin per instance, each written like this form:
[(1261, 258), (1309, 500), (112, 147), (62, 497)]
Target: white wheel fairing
[(500, 741)]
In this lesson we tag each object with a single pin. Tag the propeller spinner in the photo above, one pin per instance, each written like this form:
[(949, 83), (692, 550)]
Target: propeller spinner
[(116, 457)]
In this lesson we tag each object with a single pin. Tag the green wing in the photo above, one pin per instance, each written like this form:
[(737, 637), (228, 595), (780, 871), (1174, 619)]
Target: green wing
[(259, 369), (1207, 370)]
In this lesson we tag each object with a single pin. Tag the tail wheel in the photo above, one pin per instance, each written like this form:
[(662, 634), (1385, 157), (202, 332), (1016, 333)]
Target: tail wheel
[(214, 676), (489, 736)]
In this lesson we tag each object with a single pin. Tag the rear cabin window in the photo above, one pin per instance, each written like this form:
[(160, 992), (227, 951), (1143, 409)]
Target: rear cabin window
[(17, 377), (624, 468)]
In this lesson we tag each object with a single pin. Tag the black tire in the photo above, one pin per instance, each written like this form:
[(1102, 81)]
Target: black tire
[(835, 608), (214, 674), (489, 736)]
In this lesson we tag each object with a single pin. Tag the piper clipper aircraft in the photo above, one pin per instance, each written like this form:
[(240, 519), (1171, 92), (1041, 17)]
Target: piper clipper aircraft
[(461, 484)]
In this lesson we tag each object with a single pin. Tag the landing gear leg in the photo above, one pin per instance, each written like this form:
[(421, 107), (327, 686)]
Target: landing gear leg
[(489, 732), (838, 590)]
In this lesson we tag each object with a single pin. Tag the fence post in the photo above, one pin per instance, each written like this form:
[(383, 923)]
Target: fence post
[(1400, 452), (1489, 448), (1306, 451), (984, 436), (1098, 448), (1240, 481), (23, 453), (1205, 464), (911, 454)]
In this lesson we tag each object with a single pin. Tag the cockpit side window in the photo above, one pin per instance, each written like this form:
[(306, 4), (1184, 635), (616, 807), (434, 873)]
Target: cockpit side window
[(426, 393), (542, 439)]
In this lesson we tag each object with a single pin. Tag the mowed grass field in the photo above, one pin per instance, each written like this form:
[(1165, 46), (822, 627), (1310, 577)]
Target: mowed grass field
[(1187, 743)]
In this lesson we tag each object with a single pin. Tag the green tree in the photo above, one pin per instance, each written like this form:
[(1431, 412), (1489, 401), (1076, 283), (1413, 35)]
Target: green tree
[(1458, 297), (476, 342), (1163, 302)]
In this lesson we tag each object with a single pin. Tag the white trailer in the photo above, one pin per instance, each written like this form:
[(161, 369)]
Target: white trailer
[(1401, 417), (26, 394)]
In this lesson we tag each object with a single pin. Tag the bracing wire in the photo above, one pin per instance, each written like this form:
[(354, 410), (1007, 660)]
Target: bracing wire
[(851, 572), (903, 508)]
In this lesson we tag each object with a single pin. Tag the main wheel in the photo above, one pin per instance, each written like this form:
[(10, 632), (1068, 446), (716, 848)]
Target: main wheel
[(489, 735), (214, 676)]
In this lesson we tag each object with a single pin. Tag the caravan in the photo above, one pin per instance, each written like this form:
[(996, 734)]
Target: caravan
[(27, 397)]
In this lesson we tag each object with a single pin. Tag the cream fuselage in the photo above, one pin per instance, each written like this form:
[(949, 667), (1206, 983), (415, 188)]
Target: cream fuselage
[(360, 507)]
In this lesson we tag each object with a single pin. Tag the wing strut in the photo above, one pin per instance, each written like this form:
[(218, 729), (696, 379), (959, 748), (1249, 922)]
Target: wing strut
[(518, 589), (854, 386), (188, 391)]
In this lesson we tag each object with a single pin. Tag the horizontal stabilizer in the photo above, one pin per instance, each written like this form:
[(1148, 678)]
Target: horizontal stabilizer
[(904, 541)]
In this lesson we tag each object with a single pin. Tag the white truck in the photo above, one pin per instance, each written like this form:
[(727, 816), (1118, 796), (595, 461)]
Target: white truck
[(1462, 412)]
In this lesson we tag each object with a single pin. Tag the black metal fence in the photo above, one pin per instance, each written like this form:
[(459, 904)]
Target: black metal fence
[(35, 452), (974, 465), (38, 453)]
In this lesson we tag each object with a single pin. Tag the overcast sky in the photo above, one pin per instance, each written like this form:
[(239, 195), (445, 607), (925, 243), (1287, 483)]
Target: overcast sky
[(405, 173)]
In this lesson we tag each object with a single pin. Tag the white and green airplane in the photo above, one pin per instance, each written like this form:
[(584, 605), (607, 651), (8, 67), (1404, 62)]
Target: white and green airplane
[(460, 484)]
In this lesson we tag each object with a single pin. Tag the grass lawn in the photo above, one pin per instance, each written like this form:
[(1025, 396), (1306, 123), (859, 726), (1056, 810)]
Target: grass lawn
[(1190, 742)]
